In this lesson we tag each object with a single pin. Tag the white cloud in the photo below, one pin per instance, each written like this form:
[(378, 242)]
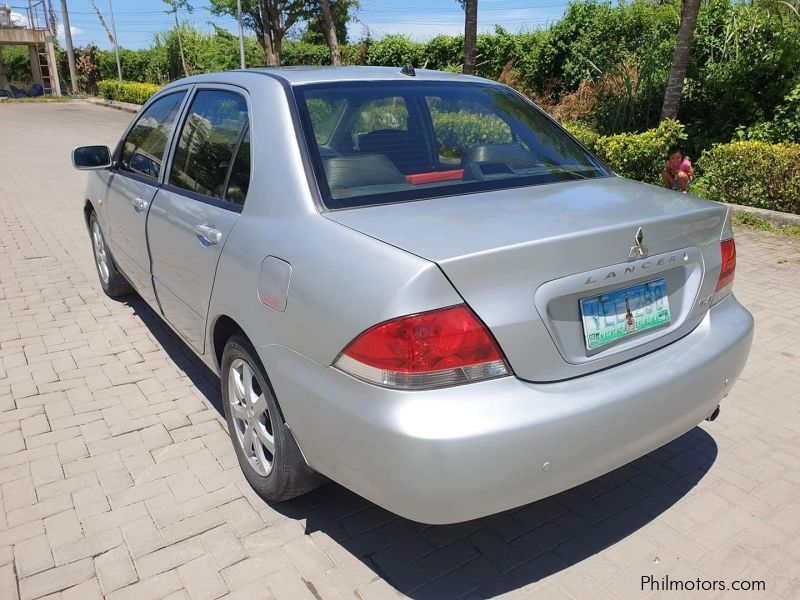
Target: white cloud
[(75, 31)]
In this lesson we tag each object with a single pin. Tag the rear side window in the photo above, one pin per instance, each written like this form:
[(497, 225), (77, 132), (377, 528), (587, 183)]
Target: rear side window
[(208, 140), (239, 179), (143, 148)]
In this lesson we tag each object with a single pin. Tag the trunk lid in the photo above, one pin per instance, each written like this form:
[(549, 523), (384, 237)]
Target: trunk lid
[(523, 258)]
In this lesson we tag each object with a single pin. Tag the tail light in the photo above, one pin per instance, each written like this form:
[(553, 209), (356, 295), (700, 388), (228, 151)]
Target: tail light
[(433, 349), (725, 283)]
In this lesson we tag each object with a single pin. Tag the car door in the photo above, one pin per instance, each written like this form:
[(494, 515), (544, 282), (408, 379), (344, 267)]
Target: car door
[(133, 183), (196, 208)]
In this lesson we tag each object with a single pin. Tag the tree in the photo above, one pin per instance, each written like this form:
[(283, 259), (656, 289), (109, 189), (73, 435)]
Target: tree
[(680, 60), (270, 20), (470, 35), (175, 6), (330, 32), (342, 12)]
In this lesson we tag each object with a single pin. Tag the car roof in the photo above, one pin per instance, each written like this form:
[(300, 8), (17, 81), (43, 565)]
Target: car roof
[(315, 74)]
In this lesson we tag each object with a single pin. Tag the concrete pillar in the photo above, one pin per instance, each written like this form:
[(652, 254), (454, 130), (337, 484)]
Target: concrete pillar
[(3, 78), (52, 67), (36, 68)]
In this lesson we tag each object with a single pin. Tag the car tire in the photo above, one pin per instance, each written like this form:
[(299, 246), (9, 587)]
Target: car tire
[(112, 281), (268, 454)]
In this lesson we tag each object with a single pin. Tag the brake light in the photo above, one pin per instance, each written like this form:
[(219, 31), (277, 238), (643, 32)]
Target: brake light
[(433, 349), (726, 274)]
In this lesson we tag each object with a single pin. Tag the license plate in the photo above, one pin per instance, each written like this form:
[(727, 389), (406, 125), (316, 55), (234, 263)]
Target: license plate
[(615, 315)]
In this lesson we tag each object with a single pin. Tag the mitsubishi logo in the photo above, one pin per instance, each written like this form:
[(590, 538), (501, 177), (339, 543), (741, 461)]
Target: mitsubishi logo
[(639, 250)]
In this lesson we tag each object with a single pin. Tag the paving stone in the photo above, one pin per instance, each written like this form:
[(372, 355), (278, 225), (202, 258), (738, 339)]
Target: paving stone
[(88, 590), (90, 546), (201, 579), (115, 569), (169, 557), (57, 579), (90, 501), (34, 425), (223, 546), (19, 493), (8, 583), (46, 470), (114, 518), (63, 528), (32, 555), (141, 537), (14, 535), (39, 511), (152, 588), (11, 442)]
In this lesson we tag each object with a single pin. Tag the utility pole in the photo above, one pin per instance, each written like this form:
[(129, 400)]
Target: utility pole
[(241, 31), (73, 76), (116, 41)]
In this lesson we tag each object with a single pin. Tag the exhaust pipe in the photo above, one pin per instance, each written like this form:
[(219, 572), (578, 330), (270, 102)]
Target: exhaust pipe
[(713, 415)]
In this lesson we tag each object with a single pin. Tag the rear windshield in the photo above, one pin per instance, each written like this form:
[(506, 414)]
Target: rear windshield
[(380, 142)]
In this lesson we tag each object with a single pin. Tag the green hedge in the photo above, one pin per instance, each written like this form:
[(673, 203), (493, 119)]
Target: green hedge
[(126, 91), (638, 156), (753, 173)]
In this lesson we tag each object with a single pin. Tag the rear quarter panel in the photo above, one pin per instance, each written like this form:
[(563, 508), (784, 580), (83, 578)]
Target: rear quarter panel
[(342, 281)]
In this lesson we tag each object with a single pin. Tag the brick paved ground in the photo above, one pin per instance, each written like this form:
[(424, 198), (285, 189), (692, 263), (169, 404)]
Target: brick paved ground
[(117, 477)]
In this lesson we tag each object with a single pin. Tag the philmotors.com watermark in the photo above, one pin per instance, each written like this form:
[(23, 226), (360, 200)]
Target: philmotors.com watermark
[(651, 583)]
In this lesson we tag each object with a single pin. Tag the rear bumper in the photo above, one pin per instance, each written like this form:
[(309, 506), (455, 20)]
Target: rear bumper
[(454, 454)]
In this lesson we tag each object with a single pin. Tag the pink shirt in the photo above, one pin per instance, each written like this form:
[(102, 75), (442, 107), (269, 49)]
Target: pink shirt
[(685, 166)]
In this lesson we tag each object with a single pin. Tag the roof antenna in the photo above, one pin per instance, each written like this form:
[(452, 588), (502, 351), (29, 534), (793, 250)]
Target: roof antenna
[(409, 70)]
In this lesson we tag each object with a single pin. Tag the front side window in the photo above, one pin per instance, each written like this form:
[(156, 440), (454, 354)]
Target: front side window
[(409, 140), (208, 140), (144, 147)]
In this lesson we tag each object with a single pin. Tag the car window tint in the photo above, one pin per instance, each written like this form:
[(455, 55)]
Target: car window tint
[(325, 114), (143, 149), (382, 114), (239, 179), (401, 140), (207, 142), (461, 125)]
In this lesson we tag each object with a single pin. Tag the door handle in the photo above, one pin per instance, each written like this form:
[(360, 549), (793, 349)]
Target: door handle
[(208, 235), (139, 204)]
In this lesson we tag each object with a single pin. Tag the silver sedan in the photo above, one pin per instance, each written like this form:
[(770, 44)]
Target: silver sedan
[(416, 284)]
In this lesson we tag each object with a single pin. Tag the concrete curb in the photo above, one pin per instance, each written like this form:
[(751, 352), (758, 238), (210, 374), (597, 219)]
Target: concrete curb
[(775, 217), (126, 106)]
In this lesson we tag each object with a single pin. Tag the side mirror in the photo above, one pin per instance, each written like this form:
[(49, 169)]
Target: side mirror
[(91, 157)]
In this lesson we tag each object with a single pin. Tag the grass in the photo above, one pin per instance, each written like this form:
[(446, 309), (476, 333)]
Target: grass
[(755, 222), (44, 99)]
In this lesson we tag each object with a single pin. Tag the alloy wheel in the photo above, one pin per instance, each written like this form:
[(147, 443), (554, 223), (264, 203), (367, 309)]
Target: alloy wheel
[(251, 417), (100, 253)]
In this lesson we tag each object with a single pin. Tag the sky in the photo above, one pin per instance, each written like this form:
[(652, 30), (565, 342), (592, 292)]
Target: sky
[(137, 20)]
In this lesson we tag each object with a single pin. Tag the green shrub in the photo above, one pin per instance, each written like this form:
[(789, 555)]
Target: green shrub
[(303, 53), (126, 91), (638, 156), (457, 131), (753, 173), (785, 125), (396, 51)]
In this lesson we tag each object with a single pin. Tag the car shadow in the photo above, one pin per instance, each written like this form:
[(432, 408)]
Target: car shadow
[(492, 555)]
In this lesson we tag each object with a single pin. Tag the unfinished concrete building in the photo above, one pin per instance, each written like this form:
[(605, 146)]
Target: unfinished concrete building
[(35, 29)]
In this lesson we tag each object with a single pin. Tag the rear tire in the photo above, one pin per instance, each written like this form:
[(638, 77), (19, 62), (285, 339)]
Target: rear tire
[(112, 281), (267, 452)]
